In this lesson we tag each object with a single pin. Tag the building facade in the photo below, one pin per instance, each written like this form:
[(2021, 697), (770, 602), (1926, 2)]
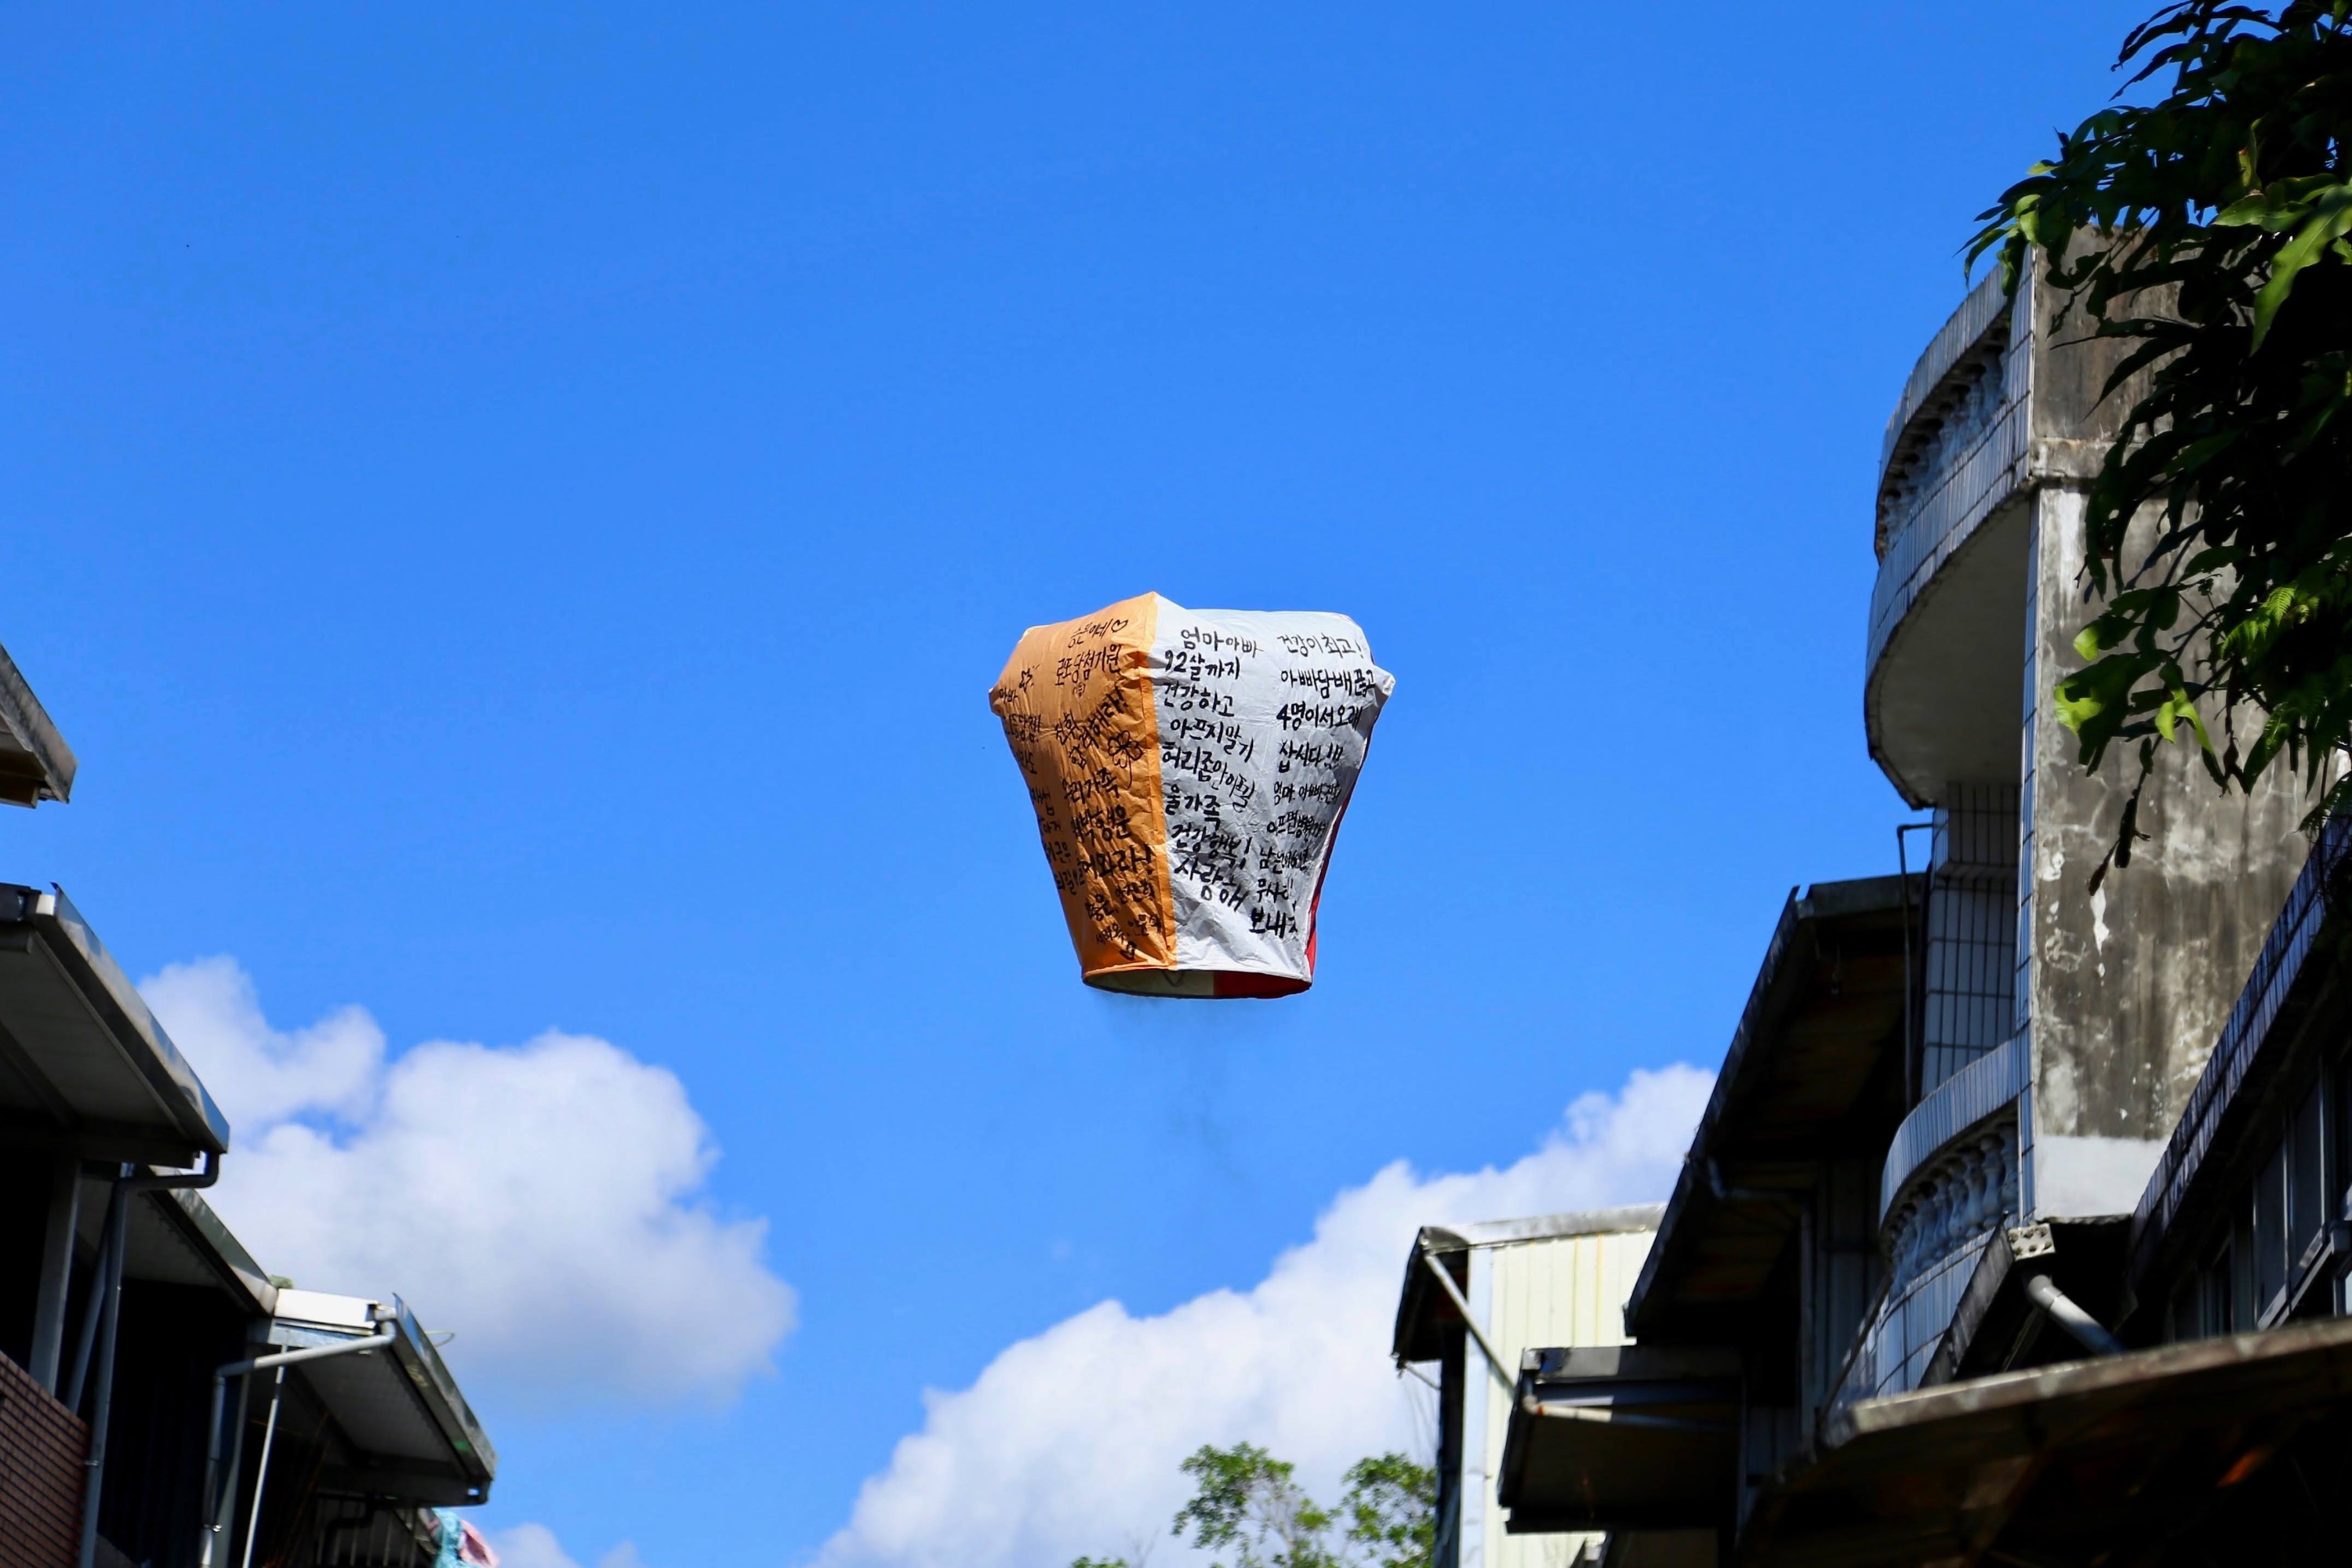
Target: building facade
[(1556, 1279), (164, 1402), (2017, 1229)]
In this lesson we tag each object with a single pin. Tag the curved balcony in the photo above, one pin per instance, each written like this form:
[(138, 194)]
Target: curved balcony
[(1948, 617)]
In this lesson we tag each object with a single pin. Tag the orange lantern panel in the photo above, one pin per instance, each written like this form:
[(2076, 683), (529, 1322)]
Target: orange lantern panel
[(1189, 770)]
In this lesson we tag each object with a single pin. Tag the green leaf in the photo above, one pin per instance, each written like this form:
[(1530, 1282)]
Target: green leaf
[(2330, 220)]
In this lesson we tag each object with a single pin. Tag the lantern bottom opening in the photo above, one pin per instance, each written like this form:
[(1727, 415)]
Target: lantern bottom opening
[(1204, 984)]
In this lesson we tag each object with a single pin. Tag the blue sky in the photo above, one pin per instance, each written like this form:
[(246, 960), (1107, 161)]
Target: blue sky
[(518, 509)]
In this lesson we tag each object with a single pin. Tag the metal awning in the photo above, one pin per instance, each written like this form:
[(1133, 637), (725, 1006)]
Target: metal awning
[(2119, 1457), (84, 1066), (1622, 1437), (415, 1438), (1424, 1306), (175, 1238), (36, 764), (1814, 1071)]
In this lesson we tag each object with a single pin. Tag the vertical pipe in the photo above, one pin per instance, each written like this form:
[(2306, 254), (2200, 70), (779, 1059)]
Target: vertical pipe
[(210, 1490), (84, 1341), (1910, 1050), (221, 1503), (118, 1215), (242, 1371), (56, 1270), (261, 1469)]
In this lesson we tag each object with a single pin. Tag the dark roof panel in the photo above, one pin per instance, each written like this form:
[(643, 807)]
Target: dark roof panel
[(1812, 1072)]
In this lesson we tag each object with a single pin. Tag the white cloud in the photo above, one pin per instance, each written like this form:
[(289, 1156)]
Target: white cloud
[(211, 1011), (530, 1546), (545, 1201), (1068, 1443), (535, 1546)]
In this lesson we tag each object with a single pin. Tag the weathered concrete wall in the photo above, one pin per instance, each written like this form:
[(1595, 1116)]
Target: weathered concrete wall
[(2127, 988), (2124, 991)]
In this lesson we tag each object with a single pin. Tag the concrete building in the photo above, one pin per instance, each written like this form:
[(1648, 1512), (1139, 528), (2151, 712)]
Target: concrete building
[(1476, 1299), (2070, 1023), (164, 1401), (2016, 1230)]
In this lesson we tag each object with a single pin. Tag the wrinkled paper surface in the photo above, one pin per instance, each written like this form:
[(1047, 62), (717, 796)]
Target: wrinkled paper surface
[(1189, 770)]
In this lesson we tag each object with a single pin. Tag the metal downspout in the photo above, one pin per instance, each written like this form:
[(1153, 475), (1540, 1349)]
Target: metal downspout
[(1911, 1065), (223, 1501), (117, 1226), (2081, 1327)]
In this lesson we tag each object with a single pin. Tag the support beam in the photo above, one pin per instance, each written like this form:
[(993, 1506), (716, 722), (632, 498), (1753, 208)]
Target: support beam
[(56, 1270)]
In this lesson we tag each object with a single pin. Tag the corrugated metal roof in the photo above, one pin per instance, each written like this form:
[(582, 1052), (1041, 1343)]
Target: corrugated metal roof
[(1423, 1305), (1542, 1227)]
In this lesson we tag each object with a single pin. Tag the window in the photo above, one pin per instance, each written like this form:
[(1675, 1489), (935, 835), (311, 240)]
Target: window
[(2306, 1178), (2241, 1255), (2270, 1237), (2340, 1207), (2213, 1297)]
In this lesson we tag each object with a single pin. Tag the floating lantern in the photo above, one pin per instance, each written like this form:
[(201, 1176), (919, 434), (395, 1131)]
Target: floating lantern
[(1189, 770)]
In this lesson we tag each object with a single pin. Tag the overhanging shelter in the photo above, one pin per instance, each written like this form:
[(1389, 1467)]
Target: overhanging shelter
[(90, 1086), (36, 764), (1765, 1260), (121, 1292), (1769, 1247), (1622, 1437), (1810, 1087), (84, 1066), (350, 1432), (2226, 1449), (1475, 1297), (406, 1430), (124, 1300)]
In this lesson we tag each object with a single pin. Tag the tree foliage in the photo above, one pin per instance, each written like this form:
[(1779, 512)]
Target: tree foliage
[(1390, 1510), (1246, 1503), (2212, 229), (1248, 1508)]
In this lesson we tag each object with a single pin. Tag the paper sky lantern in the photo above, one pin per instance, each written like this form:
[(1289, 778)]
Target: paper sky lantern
[(1189, 770)]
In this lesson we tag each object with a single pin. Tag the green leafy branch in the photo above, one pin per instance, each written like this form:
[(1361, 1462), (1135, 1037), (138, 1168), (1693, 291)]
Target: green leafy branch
[(1248, 1507)]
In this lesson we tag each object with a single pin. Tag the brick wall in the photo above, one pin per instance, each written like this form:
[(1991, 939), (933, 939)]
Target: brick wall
[(43, 1447)]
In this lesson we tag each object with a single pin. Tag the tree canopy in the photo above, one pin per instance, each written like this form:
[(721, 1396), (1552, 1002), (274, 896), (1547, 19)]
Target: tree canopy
[(2212, 228), (1248, 1507)]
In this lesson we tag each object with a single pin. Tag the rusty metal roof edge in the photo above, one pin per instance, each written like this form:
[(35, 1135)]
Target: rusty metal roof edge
[(224, 1253), (1542, 1227), (29, 722), (139, 1034), (2012, 1390), (1413, 1300)]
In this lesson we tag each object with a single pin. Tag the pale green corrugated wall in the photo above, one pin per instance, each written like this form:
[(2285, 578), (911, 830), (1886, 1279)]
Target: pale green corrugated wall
[(1569, 1291)]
